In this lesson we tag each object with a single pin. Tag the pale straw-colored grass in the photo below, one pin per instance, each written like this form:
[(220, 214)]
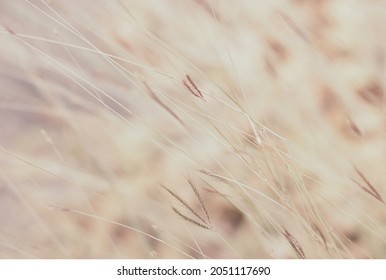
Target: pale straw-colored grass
[(263, 121)]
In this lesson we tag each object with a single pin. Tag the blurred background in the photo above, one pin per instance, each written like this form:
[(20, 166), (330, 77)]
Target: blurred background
[(264, 121)]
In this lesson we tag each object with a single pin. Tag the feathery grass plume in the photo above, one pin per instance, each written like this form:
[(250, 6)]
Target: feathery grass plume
[(199, 199), (186, 218), (184, 203), (191, 86), (370, 188), (294, 244), (163, 105)]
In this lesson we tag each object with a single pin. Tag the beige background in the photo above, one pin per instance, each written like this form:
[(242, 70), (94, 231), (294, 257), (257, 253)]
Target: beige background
[(293, 105)]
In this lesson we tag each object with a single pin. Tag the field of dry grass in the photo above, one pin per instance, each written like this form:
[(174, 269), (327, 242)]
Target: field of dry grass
[(192, 129)]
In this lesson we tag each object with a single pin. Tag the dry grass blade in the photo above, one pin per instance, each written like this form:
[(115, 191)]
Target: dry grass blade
[(184, 203), (194, 85), (370, 192), (320, 233), (157, 100), (215, 176), (90, 215), (190, 220), (295, 244), (60, 208), (370, 188), (199, 199), (191, 86)]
